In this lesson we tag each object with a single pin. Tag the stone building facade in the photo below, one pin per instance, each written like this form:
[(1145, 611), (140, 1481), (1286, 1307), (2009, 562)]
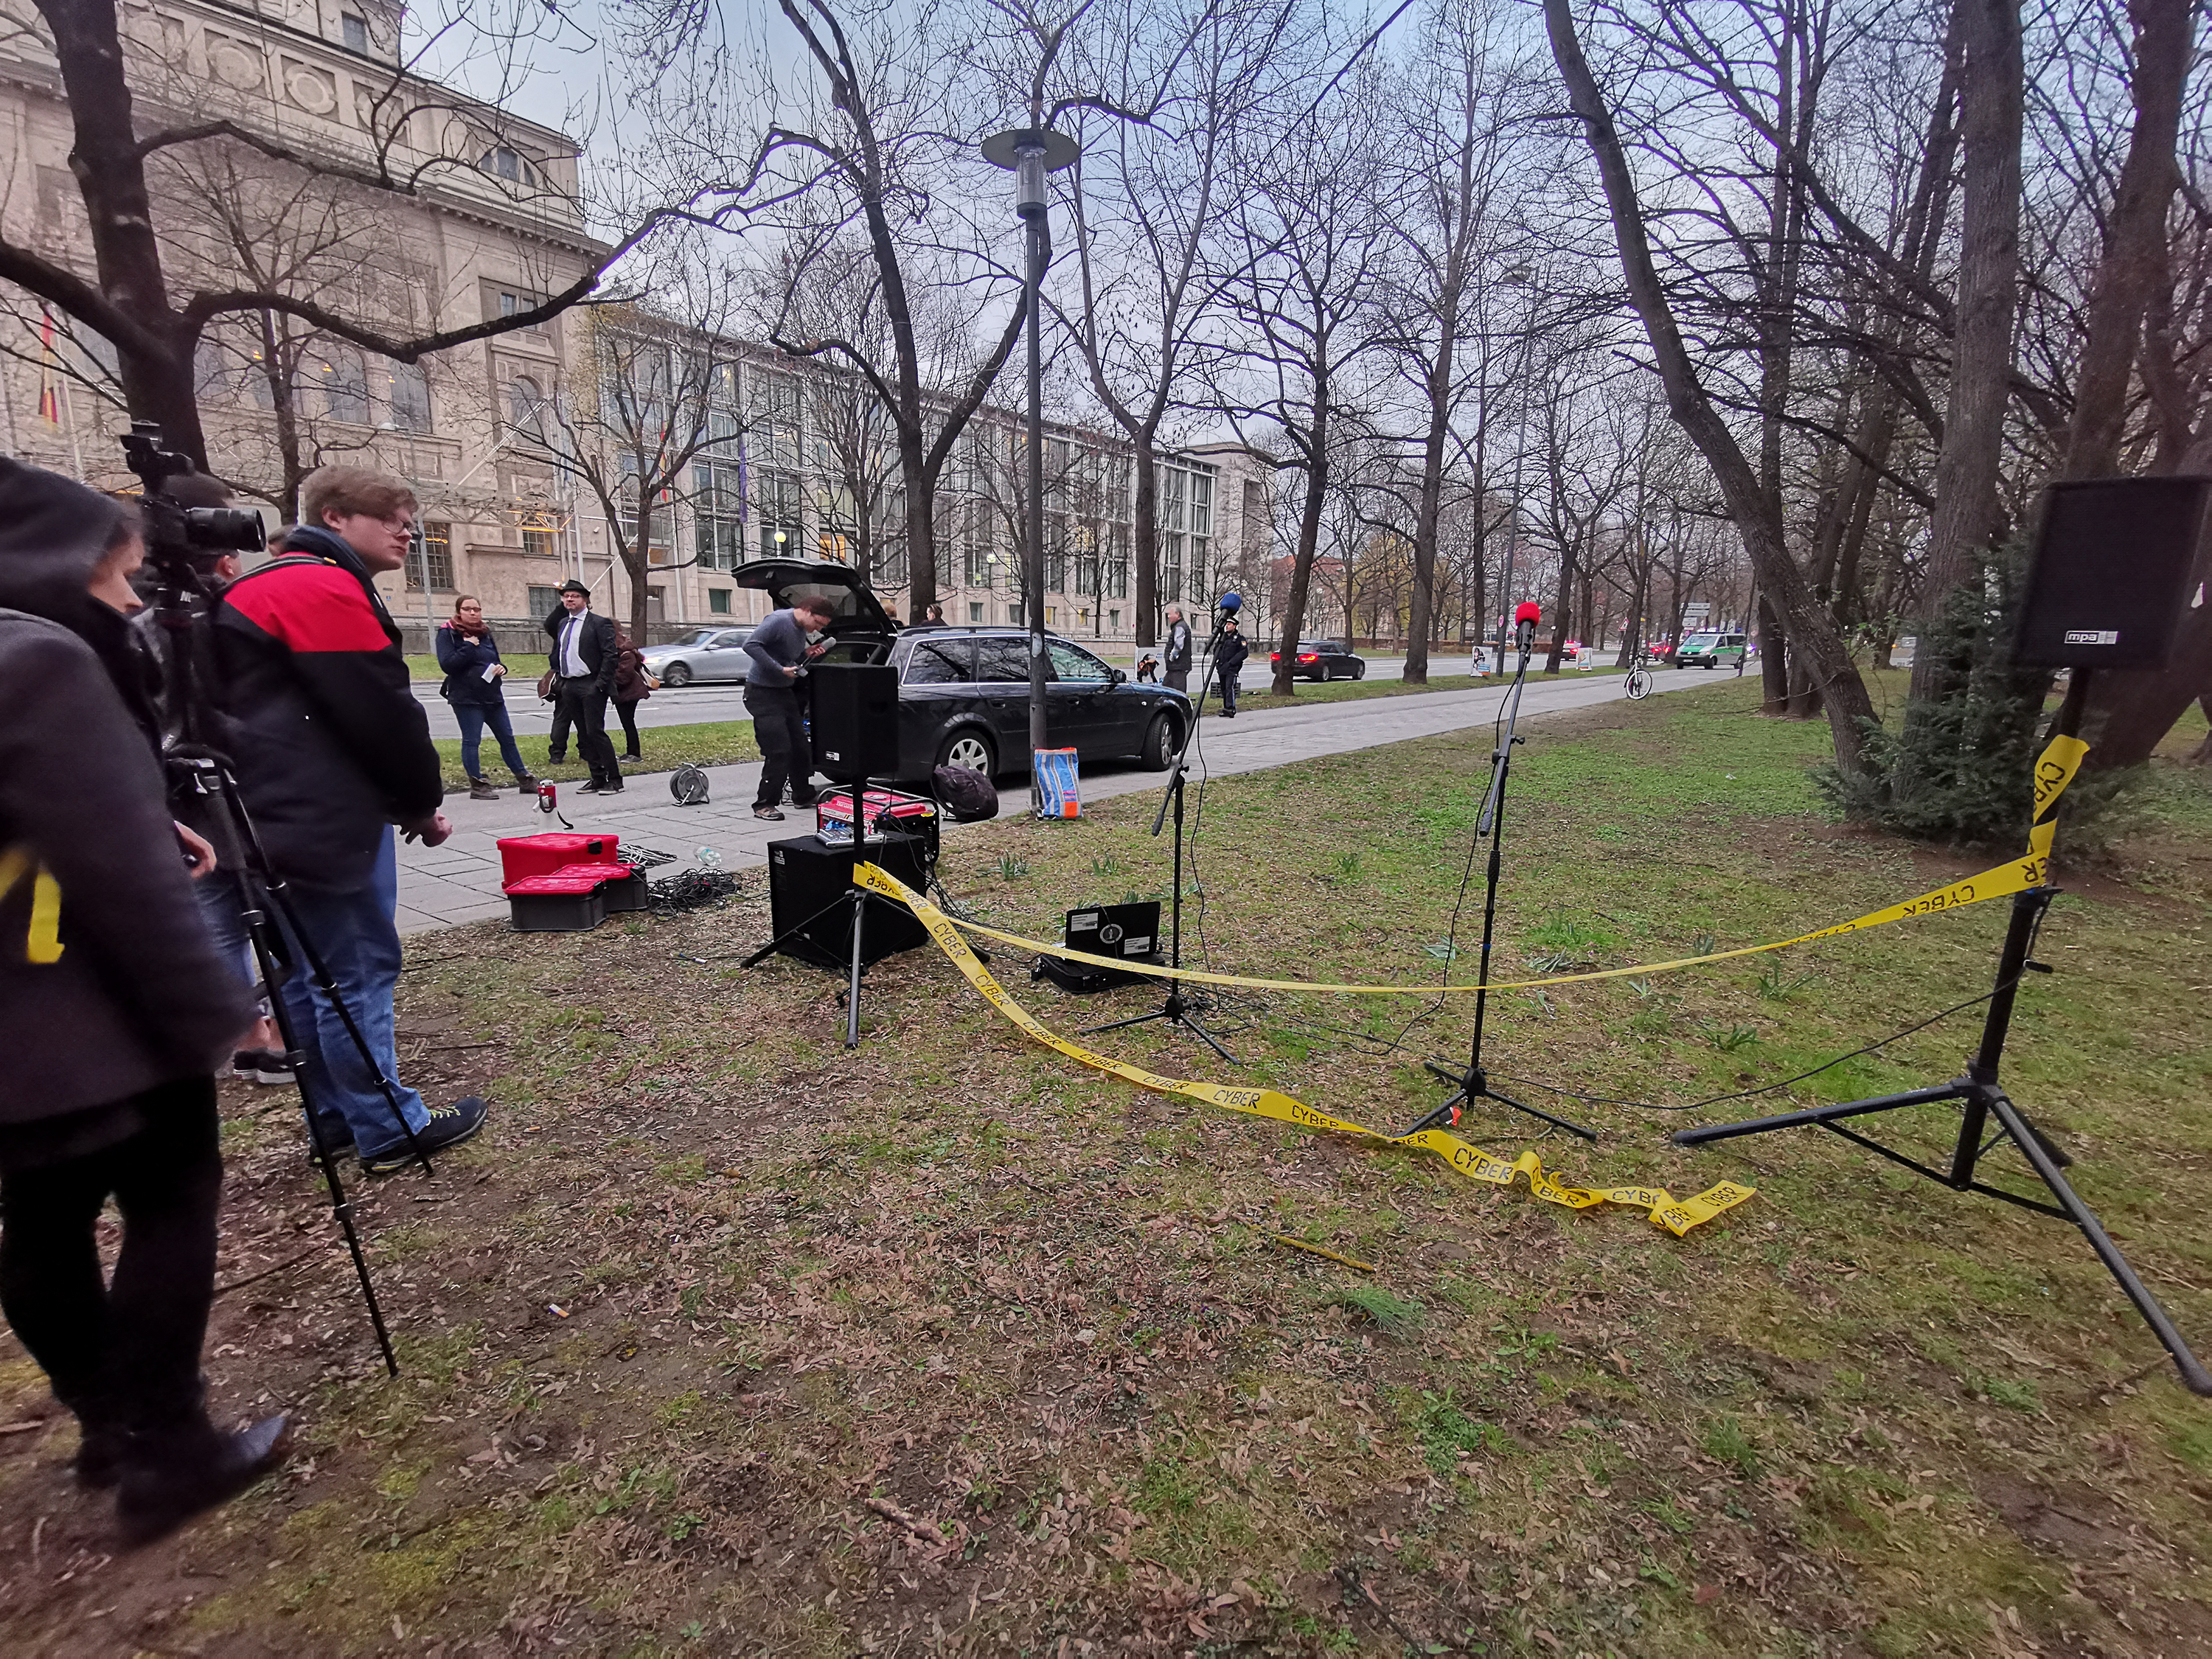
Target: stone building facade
[(488, 224)]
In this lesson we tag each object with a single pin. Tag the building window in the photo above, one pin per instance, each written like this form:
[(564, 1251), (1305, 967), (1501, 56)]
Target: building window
[(341, 385), (543, 601), (1114, 620), (410, 394), (1014, 615), (718, 601), (975, 610), (433, 552), (503, 162), (718, 514), (525, 408), (355, 31), (1052, 616), (537, 536)]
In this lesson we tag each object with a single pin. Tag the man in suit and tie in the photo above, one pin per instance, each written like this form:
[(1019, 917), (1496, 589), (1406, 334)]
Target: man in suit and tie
[(585, 657)]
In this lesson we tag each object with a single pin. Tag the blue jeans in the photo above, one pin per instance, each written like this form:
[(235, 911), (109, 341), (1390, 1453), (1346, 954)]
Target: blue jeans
[(474, 717), (354, 934)]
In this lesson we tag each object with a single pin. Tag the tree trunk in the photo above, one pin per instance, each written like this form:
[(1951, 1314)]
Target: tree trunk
[(1302, 563), (111, 175), (1813, 629), (1147, 529), (1968, 509), (1773, 662)]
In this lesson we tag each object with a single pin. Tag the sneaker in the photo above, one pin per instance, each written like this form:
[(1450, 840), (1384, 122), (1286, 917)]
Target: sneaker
[(261, 1066), (339, 1140), (772, 814), (555, 756), (632, 760), (449, 1125), (525, 784), (483, 789), (168, 1477)]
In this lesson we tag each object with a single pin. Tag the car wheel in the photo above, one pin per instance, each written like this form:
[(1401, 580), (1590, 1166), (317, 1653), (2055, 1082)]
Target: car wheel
[(1359, 671), (968, 750), (1159, 742), (678, 675)]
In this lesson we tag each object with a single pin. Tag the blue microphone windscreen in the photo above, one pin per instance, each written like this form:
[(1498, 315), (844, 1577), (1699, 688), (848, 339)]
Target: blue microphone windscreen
[(1232, 601)]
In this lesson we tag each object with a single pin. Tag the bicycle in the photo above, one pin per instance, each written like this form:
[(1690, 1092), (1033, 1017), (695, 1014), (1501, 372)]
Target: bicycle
[(1638, 684)]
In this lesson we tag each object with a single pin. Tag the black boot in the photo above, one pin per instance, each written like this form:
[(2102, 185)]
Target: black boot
[(171, 1474), (99, 1457)]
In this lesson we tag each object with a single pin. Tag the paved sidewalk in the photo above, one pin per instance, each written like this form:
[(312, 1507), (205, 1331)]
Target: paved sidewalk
[(458, 882)]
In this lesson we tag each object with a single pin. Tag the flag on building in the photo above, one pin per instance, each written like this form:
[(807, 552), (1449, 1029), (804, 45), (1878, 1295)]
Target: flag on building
[(50, 393)]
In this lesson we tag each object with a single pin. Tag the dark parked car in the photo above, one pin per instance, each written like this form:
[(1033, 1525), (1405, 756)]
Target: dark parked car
[(964, 691), (1324, 659)]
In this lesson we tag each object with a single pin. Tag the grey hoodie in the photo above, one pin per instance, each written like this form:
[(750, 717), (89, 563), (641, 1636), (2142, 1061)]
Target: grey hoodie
[(109, 983)]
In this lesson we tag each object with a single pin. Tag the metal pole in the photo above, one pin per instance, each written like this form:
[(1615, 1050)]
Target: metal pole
[(1040, 242)]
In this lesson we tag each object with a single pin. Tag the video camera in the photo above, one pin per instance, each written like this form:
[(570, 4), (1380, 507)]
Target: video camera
[(180, 541)]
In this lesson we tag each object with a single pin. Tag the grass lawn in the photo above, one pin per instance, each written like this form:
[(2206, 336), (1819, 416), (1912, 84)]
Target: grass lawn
[(723, 1339), (523, 668), (711, 742)]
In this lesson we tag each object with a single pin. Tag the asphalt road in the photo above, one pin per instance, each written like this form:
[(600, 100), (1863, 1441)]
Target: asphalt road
[(697, 705), (460, 881)]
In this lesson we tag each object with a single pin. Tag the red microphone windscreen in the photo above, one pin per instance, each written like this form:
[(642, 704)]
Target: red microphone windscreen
[(1528, 612)]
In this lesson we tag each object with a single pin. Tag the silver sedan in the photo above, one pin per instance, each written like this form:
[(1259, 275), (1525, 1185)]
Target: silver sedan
[(710, 653)]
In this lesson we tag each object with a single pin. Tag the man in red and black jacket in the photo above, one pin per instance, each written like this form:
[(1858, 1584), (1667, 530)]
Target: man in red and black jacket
[(331, 751)]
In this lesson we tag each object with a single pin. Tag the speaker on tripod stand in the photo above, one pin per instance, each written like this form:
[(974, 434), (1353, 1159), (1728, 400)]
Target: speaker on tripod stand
[(2114, 559)]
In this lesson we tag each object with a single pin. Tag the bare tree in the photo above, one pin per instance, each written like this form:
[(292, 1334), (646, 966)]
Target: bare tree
[(416, 138), (1810, 624), (646, 425)]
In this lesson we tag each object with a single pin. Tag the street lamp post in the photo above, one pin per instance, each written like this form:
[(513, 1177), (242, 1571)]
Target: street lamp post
[(1517, 277), (1031, 152)]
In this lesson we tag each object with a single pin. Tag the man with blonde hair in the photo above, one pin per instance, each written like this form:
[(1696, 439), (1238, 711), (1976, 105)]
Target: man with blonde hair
[(332, 749)]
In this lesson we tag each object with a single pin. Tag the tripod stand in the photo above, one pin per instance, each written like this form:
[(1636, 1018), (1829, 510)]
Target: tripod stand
[(1178, 1008), (1471, 1083), (1981, 1099), (238, 848)]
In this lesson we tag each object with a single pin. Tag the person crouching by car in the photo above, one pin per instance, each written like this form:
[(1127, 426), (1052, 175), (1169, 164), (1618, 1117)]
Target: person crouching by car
[(116, 1008), (475, 686), (781, 650)]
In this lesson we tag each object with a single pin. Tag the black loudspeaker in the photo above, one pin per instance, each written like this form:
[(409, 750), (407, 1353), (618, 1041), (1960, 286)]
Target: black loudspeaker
[(1128, 931), (2110, 572), (805, 875), (853, 719)]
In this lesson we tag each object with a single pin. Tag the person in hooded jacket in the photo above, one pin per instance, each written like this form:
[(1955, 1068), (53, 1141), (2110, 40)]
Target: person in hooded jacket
[(116, 1008), (331, 751)]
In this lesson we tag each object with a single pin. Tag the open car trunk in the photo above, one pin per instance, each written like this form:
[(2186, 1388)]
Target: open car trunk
[(860, 631)]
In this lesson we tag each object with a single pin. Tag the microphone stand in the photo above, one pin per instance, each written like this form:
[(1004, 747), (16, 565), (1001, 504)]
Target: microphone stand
[(1177, 1010), (1472, 1083)]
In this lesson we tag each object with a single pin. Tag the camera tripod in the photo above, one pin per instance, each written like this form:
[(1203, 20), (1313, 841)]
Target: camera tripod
[(1978, 1093), (1178, 1008), (1471, 1082), (238, 849)]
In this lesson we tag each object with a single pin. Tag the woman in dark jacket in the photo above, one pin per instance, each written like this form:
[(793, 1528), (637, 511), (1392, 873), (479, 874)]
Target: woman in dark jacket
[(631, 689), (470, 656)]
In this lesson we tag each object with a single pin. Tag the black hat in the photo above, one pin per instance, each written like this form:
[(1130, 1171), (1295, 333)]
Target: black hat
[(572, 585)]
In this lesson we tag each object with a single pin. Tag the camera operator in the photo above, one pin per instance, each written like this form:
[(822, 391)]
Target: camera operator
[(115, 1010), (260, 1057), (331, 750)]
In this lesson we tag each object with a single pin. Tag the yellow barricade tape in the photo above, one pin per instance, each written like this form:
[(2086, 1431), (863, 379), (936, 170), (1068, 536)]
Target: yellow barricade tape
[(2053, 772), (1678, 1217)]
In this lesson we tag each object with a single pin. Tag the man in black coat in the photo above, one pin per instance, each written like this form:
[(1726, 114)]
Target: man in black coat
[(115, 1011), (585, 657), (1229, 654)]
